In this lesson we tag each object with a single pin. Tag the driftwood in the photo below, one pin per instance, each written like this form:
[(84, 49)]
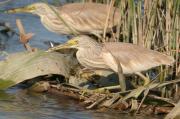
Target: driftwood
[(94, 100)]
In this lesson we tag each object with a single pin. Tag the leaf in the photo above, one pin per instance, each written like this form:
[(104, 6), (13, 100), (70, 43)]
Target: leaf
[(22, 66), (135, 93)]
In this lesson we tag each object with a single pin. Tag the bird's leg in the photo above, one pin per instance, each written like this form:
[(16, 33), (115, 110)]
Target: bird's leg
[(146, 80), (122, 83), (121, 77)]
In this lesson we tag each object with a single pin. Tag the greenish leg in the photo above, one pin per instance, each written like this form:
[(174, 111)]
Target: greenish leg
[(146, 80)]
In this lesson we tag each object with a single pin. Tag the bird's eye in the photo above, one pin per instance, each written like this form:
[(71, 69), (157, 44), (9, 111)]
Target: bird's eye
[(75, 42)]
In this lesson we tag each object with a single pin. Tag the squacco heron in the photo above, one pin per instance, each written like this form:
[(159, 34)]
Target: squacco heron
[(74, 18), (106, 56)]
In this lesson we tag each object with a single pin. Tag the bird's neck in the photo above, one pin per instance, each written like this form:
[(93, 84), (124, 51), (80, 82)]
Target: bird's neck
[(94, 49)]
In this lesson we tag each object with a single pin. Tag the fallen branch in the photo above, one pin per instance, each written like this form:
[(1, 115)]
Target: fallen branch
[(24, 38), (96, 103)]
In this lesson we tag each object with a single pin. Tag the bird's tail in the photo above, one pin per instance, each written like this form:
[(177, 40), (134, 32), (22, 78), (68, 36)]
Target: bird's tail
[(167, 60)]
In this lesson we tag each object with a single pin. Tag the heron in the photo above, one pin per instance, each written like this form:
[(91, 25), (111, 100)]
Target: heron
[(73, 18), (106, 56)]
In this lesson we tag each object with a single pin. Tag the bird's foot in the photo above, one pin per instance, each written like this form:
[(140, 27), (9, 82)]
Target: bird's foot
[(144, 78), (83, 92), (86, 74)]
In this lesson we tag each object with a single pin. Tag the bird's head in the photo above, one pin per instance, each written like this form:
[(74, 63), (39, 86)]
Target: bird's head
[(79, 42), (35, 8)]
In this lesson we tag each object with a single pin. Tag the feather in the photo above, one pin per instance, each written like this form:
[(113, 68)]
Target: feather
[(134, 58)]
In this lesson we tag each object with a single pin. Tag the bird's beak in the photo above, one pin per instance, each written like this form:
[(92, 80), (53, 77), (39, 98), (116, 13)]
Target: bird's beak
[(69, 44), (64, 46), (27, 9)]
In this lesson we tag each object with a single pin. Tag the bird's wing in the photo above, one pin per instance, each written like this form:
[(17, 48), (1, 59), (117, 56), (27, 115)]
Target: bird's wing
[(134, 58), (109, 59), (86, 16)]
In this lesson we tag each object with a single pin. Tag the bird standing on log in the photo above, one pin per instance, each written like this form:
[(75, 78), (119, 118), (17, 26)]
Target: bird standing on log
[(106, 56)]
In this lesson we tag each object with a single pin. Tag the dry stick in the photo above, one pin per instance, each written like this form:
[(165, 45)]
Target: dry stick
[(134, 105), (104, 96), (96, 103), (109, 102), (24, 38), (173, 114), (149, 19), (168, 24), (177, 52), (163, 99), (107, 19), (155, 86), (140, 25), (168, 83), (145, 95), (20, 26), (178, 69)]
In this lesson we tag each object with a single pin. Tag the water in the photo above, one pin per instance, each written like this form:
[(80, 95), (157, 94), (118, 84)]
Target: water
[(19, 104), (31, 24)]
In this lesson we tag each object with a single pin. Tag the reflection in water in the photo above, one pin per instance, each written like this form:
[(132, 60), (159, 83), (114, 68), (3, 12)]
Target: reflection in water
[(19, 104)]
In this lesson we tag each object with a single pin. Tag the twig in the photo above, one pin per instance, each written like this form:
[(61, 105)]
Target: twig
[(174, 112), (107, 19), (96, 103), (24, 38), (109, 102), (163, 99), (145, 95)]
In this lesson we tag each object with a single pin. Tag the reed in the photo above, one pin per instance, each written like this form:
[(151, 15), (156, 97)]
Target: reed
[(153, 24), (150, 23)]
